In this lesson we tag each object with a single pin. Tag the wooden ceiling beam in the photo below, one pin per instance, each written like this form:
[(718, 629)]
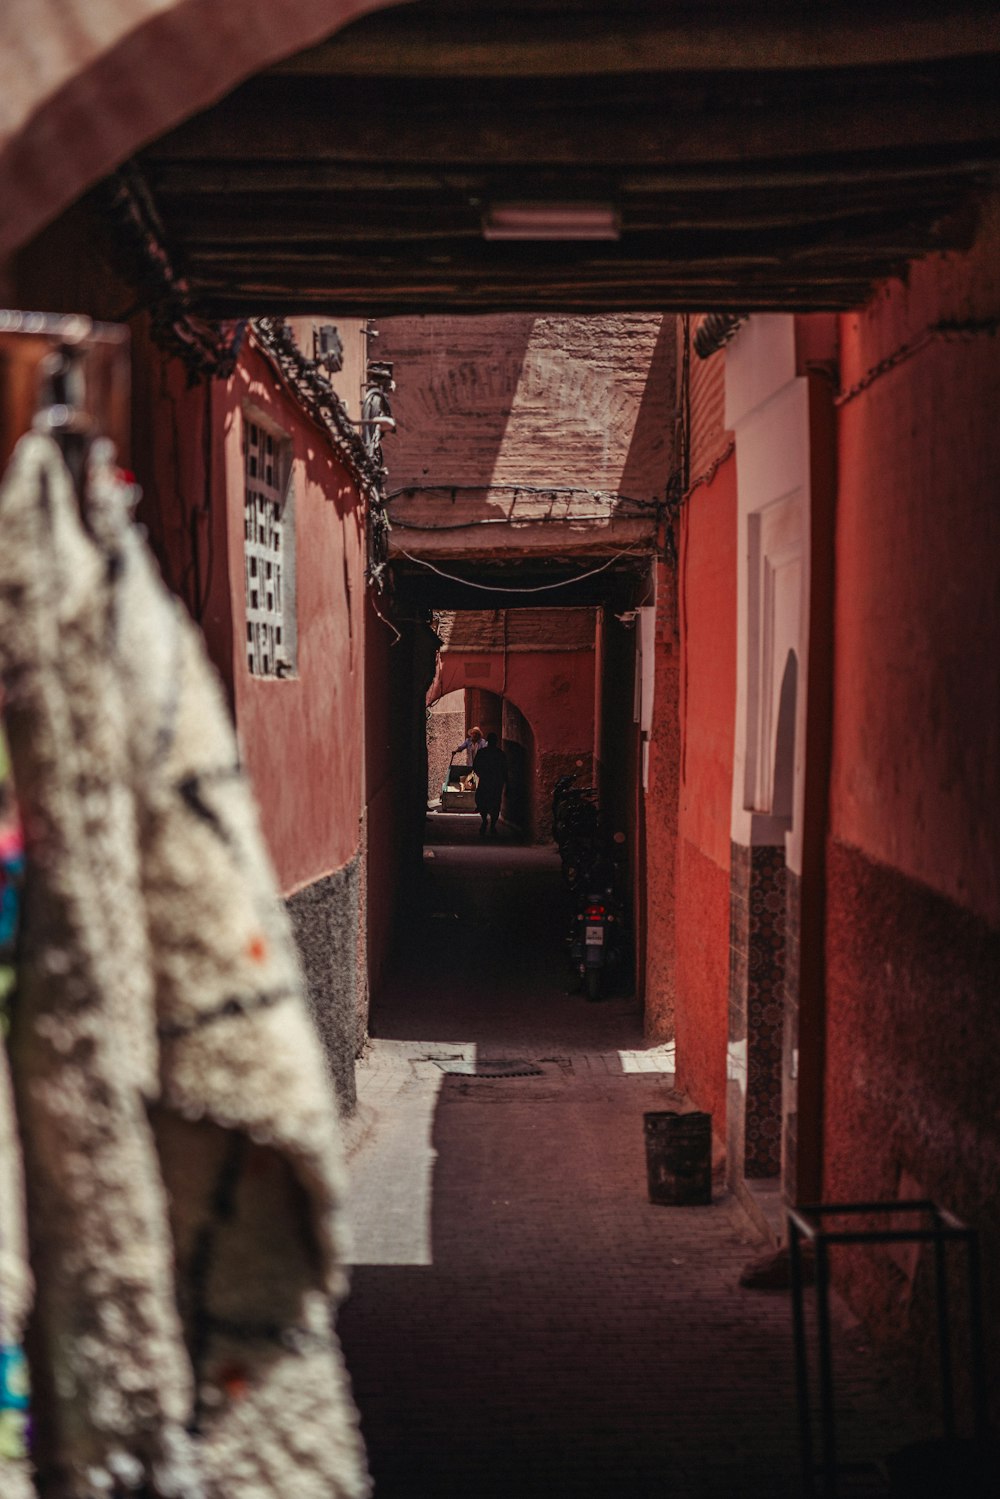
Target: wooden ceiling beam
[(387, 226), (470, 42), (759, 158), (587, 285), (866, 171), (292, 302), (531, 131), (386, 261)]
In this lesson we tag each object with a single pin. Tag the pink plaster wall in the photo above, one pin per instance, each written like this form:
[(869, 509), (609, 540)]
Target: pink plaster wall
[(661, 818), (554, 690), (913, 872), (917, 707), (303, 737)]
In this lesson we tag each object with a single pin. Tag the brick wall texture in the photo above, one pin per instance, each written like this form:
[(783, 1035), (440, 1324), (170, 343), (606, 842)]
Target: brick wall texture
[(517, 629), (579, 401), (708, 406)]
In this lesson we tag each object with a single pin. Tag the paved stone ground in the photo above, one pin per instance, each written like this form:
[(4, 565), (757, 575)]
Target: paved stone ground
[(522, 1320)]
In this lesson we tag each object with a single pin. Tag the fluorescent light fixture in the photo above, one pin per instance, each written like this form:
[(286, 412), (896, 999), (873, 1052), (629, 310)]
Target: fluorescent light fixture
[(551, 221)]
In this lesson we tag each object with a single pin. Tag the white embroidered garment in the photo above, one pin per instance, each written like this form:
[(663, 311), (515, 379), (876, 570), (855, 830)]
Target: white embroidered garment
[(181, 1139), (15, 1277)]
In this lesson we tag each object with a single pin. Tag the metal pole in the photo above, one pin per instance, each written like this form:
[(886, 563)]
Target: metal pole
[(801, 1363), (827, 1422), (976, 1351), (944, 1332)]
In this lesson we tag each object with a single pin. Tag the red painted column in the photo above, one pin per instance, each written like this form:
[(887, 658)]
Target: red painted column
[(707, 610)]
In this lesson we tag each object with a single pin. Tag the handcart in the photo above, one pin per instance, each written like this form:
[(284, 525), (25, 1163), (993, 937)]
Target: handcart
[(454, 796)]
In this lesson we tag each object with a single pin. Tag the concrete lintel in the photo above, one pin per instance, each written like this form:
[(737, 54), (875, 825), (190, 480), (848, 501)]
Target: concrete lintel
[(567, 538)]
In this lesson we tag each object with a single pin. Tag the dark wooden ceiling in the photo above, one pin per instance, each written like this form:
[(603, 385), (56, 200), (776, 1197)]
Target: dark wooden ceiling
[(758, 156)]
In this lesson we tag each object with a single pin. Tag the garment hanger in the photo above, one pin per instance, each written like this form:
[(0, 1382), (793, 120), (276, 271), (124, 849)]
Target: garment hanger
[(65, 375)]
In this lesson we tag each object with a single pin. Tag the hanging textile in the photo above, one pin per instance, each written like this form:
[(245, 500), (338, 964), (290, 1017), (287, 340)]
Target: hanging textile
[(180, 1138), (15, 1299), (15, 1277)]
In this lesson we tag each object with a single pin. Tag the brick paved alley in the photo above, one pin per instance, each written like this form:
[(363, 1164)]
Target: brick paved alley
[(522, 1320)]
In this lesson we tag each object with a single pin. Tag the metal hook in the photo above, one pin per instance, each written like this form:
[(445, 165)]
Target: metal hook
[(61, 412)]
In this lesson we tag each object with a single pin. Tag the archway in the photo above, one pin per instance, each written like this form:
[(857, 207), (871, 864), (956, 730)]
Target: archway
[(451, 714)]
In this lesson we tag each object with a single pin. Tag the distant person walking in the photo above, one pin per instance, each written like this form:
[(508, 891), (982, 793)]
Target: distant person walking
[(472, 744), (490, 766)]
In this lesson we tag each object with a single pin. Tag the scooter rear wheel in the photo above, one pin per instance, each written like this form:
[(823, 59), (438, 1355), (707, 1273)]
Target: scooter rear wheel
[(592, 983)]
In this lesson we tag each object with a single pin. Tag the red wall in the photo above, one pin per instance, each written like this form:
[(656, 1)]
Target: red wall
[(913, 928), (707, 609), (303, 736), (183, 504), (661, 814)]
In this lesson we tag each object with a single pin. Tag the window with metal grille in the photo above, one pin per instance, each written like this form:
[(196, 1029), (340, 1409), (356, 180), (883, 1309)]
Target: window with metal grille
[(268, 550)]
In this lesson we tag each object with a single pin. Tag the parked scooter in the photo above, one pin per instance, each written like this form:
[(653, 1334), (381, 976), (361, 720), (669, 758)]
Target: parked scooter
[(595, 921), (597, 940)]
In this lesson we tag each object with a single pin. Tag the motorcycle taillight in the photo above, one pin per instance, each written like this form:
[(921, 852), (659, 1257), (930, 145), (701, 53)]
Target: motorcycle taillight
[(595, 913)]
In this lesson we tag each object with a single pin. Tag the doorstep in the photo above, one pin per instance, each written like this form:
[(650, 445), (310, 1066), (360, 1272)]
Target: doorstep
[(762, 1200)]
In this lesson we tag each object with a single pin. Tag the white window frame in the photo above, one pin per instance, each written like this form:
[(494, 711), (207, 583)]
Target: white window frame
[(270, 635)]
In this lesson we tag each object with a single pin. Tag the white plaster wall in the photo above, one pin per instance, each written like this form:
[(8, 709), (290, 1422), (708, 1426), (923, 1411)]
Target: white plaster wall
[(767, 409)]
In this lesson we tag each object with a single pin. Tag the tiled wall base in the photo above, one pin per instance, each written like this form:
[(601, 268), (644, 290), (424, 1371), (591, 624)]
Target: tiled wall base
[(325, 918), (790, 1049), (756, 1010)]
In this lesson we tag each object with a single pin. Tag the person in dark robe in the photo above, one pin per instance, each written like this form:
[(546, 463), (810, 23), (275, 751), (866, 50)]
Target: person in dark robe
[(490, 766)]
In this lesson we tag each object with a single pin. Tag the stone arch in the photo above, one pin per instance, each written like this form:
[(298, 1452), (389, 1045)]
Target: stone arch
[(519, 743), (783, 770)]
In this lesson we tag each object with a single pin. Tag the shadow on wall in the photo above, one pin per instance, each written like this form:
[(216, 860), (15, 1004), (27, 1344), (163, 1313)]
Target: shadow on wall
[(519, 744), (452, 409), (446, 727), (647, 464)]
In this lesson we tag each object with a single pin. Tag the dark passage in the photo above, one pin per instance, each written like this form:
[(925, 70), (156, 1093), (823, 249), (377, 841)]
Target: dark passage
[(482, 953)]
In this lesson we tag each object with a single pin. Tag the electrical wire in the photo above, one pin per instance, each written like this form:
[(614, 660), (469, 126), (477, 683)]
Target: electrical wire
[(385, 621), (946, 331), (537, 588)]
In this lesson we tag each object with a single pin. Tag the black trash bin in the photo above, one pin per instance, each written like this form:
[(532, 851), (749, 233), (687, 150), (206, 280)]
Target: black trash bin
[(679, 1158)]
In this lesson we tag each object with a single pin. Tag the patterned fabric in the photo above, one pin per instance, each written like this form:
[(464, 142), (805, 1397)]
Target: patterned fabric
[(181, 1142)]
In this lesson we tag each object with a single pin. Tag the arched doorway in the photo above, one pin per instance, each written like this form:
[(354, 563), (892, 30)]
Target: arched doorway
[(449, 718)]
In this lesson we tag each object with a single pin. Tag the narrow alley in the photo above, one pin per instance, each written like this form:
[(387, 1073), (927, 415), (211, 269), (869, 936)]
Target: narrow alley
[(521, 1319), (499, 618)]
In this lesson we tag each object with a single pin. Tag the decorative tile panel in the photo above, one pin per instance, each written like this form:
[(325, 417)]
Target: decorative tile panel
[(765, 1013), (756, 1009)]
